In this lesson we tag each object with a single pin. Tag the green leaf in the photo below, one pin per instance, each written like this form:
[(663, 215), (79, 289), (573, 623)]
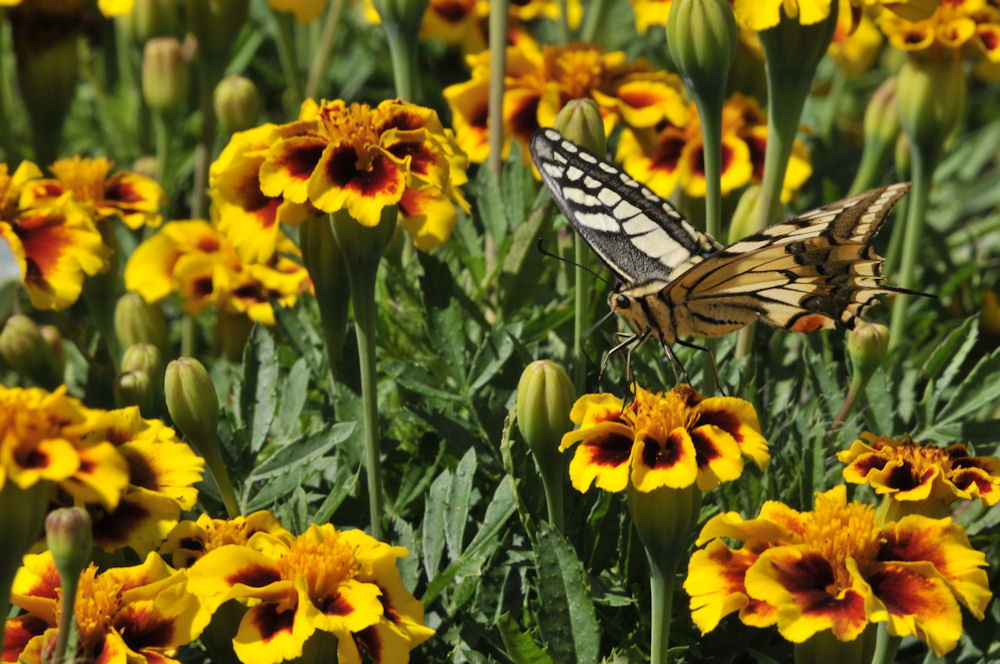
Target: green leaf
[(980, 387), (948, 348), (300, 332), (458, 503), (433, 537), (568, 621), (343, 484), (521, 648), (303, 451), (294, 391), (258, 396), (490, 205)]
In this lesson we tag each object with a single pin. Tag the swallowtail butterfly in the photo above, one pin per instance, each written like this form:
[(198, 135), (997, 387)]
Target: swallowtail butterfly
[(812, 271)]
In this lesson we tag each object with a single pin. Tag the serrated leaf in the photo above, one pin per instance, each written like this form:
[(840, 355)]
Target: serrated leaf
[(980, 387), (568, 621), (343, 484), (303, 337), (957, 359), (946, 349), (432, 536), (490, 206), (258, 395), (293, 396), (303, 451), (457, 506), (494, 353), (521, 648)]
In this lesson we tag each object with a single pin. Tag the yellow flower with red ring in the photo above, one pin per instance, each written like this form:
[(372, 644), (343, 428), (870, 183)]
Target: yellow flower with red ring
[(856, 41), (906, 470), (56, 246), (838, 568), (763, 14), (190, 540), (970, 27), (672, 439), (133, 198), (343, 582), (43, 438), (141, 613), (245, 215), (12, 185)]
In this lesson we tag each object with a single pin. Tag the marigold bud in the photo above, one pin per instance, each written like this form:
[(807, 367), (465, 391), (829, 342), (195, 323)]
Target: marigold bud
[(545, 396), (139, 322), (931, 97), (142, 357), (57, 352), (192, 401), (237, 103), (881, 123), (867, 345), (903, 156), (25, 348), (580, 121), (47, 66), (744, 221), (165, 74), (701, 39), (135, 388), (151, 18), (69, 538)]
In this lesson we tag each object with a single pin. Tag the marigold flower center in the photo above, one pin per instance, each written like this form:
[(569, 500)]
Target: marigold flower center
[(326, 561), (578, 70), (354, 125), (839, 532), (659, 414), (97, 602), (84, 177)]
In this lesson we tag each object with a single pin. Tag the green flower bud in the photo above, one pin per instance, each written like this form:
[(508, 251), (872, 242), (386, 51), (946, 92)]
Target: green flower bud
[(192, 401), (69, 538), (867, 345), (215, 24), (151, 18), (744, 221), (135, 388), (545, 396), (701, 39), (328, 272), (237, 103), (931, 96), (142, 357), (881, 123), (580, 121), (139, 322), (903, 157), (165, 74), (25, 348), (47, 66), (57, 351), (232, 330)]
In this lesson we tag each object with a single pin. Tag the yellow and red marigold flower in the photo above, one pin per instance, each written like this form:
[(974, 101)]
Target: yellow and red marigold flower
[(133, 198), (763, 14), (671, 439), (56, 244), (195, 260), (970, 27), (49, 437), (856, 41), (671, 154), (540, 80), (140, 614), (922, 474), (190, 540), (838, 568), (342, 582), (162, 472)]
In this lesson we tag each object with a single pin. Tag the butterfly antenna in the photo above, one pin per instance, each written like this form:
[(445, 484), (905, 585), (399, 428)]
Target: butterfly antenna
[(566, 260), (711, 355), (590, 330)]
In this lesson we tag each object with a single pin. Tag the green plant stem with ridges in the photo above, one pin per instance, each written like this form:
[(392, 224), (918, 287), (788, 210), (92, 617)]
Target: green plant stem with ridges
[(209, 75), (403, 53), (67, 619), (216, 466), (873, 161), (579, 312), (563, 23), (161, 138), (494, 108), (661, 585), (922, 164), (285, 42), (886, 646), (323, 49), (6, 144), (592, 21)]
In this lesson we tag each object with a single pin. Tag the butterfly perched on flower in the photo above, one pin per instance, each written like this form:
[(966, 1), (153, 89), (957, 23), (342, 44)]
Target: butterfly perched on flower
[(816, 270)]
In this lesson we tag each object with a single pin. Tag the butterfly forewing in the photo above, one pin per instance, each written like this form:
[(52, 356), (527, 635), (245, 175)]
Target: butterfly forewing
[(635, 232)]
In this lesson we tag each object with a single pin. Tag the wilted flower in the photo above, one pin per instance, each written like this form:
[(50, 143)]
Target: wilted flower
[(838, 568)]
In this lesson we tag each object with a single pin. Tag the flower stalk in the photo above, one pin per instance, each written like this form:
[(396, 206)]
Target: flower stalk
[(361, 248), (323, 49), (401, 20), (68, 535)]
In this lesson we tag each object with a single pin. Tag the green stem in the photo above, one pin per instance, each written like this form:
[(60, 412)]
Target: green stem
[(100, 294), (874, 157), (162, 140), (593, 20), (494, 122), (403, 53), (661, 585), (6, 144), (21, 514), (67, 619), (886, 646), (322, 55), (922, 169), (829, 115), (216, 466), (284, 40), (563, 24), (189, 336), (209, 76), (552, 483), (857, 388), (579, 312), (896, 238)]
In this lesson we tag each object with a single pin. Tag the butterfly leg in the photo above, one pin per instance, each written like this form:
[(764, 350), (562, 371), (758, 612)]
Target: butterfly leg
[(604, 365), (711, 355), (675, 362)]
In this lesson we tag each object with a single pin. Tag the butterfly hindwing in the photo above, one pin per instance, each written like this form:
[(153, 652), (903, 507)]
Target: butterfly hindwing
[(635, 232)]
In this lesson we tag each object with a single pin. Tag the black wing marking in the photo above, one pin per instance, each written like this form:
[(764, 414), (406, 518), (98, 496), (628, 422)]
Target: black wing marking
[(636, 233)]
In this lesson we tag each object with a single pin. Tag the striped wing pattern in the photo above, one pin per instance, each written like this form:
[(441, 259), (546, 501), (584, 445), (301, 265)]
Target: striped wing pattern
[(636, 233), (813, 271)]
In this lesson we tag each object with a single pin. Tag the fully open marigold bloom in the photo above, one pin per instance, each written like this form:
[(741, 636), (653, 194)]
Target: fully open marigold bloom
[(190, 540), (970, 27), (671, 439), (352, 157), (671, 154), (905, 470), (45, 436), (133, 198), (343, 582), (763, 14), (138, 614), (838, 568)]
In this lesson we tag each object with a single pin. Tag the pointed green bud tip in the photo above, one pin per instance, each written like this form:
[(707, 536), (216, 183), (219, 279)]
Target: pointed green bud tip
[(867, 345), (192, 401), (166, 74), (69, 538), (702, 40), (151, 18), (237, 103), (580, 121), (135, 388), (931, 97), (142, 357), (545, 396), (139, 322), (881, 123), (35, 354)]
